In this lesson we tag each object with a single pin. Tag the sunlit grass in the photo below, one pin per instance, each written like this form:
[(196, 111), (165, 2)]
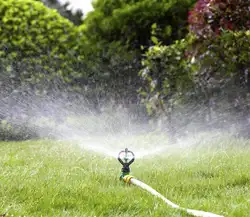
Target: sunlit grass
[(44, 178)]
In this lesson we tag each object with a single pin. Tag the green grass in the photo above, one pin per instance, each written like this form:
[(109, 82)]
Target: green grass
[(44, 178)]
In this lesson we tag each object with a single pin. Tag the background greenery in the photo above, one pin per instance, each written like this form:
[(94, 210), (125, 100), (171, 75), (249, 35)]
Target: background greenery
[(176, 57)]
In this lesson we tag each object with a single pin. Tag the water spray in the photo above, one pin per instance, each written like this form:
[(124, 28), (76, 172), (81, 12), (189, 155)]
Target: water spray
[(126, 158)]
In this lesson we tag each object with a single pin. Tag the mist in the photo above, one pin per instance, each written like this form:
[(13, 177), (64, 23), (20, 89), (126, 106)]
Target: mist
[(108, 127)]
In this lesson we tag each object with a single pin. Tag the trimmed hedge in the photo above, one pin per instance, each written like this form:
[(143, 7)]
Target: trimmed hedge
[(36, 43)]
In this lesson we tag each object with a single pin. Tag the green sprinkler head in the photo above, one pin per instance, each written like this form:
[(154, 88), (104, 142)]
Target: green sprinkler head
[(126, 158)]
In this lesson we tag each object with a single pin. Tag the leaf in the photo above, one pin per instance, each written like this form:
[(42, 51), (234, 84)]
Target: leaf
[(154, 26), (154, 40)]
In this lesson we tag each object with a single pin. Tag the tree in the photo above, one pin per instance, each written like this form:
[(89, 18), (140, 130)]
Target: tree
[(129, 22), (116, 30)]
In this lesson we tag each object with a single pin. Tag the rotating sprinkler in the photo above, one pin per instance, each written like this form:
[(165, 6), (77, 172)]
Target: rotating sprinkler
[(126, 158)]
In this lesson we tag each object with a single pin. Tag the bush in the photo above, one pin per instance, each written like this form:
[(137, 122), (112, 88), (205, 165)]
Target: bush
[(116, 30), (168, 85), (165, 73), (209, 17), (209, 80), (9, 131), (36, 43), (223, 61), (221, 71), (129, 22)]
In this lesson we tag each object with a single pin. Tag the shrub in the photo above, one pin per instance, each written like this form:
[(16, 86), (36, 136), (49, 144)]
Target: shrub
[(9, 131), (210, 17), (129, 22), (223, 60), (168, 86), (221, 71), (165, 72), (36, 43), (211, 85), (115, 32)]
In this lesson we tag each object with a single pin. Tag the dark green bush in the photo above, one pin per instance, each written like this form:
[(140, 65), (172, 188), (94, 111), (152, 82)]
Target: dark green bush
[(129, 22), (10, 131)]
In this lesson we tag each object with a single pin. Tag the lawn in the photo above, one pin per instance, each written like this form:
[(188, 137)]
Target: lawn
[(52, 178)]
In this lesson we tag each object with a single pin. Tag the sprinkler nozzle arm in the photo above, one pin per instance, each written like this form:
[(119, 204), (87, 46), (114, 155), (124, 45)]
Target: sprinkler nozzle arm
[(126, 164), (124, 161), (120, 160)]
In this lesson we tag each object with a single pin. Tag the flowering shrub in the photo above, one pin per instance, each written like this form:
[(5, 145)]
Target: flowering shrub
[(210, 17)]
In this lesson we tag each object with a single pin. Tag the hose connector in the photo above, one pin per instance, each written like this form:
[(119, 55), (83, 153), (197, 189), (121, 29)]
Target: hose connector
[(127, 179)]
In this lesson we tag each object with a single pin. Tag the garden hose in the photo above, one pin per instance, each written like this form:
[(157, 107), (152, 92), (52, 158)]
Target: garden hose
[(125, 160)]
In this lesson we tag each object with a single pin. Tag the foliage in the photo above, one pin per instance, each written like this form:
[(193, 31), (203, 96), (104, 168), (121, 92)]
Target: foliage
[(191, 76), (10, 132), (221, 70), (41, 51), (223, 61), (210, 17), (114, 33), (112, 69), (129, 22), (165, 72), (167, 84), (36, 45)]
